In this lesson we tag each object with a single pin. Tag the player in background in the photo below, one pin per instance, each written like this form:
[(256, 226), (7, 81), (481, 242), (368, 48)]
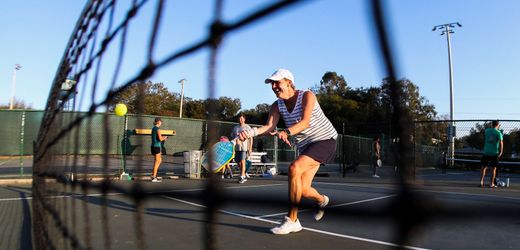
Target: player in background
[(157, 139), (376, 155), (493, 147), (243, 148)]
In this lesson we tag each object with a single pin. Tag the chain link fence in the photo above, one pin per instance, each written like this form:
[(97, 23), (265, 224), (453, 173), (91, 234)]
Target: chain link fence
[(120, 139), (432, 143)]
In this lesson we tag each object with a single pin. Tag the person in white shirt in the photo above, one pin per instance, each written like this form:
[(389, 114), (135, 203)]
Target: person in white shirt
[(242, 148)]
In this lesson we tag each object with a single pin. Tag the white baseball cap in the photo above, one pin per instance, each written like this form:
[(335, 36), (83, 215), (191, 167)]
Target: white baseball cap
[(279, 75)]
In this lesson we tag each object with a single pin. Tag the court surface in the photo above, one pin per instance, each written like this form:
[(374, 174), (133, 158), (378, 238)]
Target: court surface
[(361, 216)]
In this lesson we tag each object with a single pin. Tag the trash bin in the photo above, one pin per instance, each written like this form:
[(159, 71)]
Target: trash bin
[(192, 163)]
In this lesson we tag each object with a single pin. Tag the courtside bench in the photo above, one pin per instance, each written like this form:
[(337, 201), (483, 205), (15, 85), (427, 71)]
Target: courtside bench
[(165, 132), (257, 166)]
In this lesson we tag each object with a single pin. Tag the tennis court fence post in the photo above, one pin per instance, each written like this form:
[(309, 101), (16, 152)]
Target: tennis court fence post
[(124, 175), (22, 135), (342, 165)]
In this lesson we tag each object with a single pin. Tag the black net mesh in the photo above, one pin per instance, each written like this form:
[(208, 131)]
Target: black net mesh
[(80, 155)]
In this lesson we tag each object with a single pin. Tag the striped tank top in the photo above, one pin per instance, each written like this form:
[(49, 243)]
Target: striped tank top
[(320, 128)]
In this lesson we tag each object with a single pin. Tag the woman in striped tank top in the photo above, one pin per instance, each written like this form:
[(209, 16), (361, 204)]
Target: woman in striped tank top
[(315, 139)]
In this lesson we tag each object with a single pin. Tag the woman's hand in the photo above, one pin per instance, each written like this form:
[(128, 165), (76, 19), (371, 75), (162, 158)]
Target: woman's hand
[(282, 135)]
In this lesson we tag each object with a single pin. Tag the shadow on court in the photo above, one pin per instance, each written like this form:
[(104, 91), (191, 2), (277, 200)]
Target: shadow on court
[(360, 216)]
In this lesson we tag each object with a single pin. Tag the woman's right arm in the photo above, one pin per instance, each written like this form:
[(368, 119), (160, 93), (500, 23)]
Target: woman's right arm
[(272, 121)]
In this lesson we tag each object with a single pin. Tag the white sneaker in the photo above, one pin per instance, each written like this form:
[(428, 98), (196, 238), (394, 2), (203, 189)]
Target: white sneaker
[(247, 176), (375, 176), (320, 208), (287, 227), (155, 180), (242, 179)]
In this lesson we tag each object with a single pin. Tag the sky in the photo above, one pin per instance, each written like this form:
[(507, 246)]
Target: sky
[(309, 39)]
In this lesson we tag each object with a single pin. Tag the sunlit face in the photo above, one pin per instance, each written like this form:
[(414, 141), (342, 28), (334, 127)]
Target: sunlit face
[(281, 88), (158, 124), (242, 120)]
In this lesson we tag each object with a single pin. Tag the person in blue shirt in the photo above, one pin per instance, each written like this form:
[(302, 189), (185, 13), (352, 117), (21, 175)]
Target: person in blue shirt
[(157, 139), (493, 146)]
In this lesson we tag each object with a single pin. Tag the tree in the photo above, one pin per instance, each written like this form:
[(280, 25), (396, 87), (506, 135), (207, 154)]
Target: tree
[(17, 104), (338, 109), (225, 108), (148, 98), (195, 109), (514, 141), (369, 111), (413, 103), (332, 83), (155, 99), (475, 138), (258, 115)]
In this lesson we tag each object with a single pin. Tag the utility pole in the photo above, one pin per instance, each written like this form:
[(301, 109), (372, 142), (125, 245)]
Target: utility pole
[(181, 81), (447, 29), (13, 85)]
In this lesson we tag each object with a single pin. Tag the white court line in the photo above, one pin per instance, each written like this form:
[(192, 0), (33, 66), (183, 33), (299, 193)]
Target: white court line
[(59, 196), (369, 185), (2, 163), (110, 194), (232, 187), (337, 205), (469, 194), (421, 190), (423, 175), (305, 228)]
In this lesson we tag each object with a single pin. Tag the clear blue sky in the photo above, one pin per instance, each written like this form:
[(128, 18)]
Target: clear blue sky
[(309, 39)]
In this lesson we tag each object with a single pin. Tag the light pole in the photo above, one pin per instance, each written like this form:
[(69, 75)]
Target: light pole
[(447, 30), (181, 81), (13, 85)]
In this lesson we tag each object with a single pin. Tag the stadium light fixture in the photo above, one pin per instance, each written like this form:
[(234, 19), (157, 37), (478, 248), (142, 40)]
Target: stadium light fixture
[(181, 81), (446, 30), (13, 85)]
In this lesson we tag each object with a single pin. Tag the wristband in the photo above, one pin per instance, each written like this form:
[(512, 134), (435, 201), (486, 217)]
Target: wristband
[(287, 131)]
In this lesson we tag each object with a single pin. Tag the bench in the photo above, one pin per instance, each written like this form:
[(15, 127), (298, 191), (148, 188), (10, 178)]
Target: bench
[(257, 165), (165, 132)]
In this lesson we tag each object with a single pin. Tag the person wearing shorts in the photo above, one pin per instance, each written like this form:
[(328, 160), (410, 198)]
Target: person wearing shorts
[(155, 148), (242, 148), (493, 146), (314, 136), (376, 155)]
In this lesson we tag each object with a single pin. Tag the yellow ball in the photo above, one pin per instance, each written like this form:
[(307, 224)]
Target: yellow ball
[(120, 109)]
